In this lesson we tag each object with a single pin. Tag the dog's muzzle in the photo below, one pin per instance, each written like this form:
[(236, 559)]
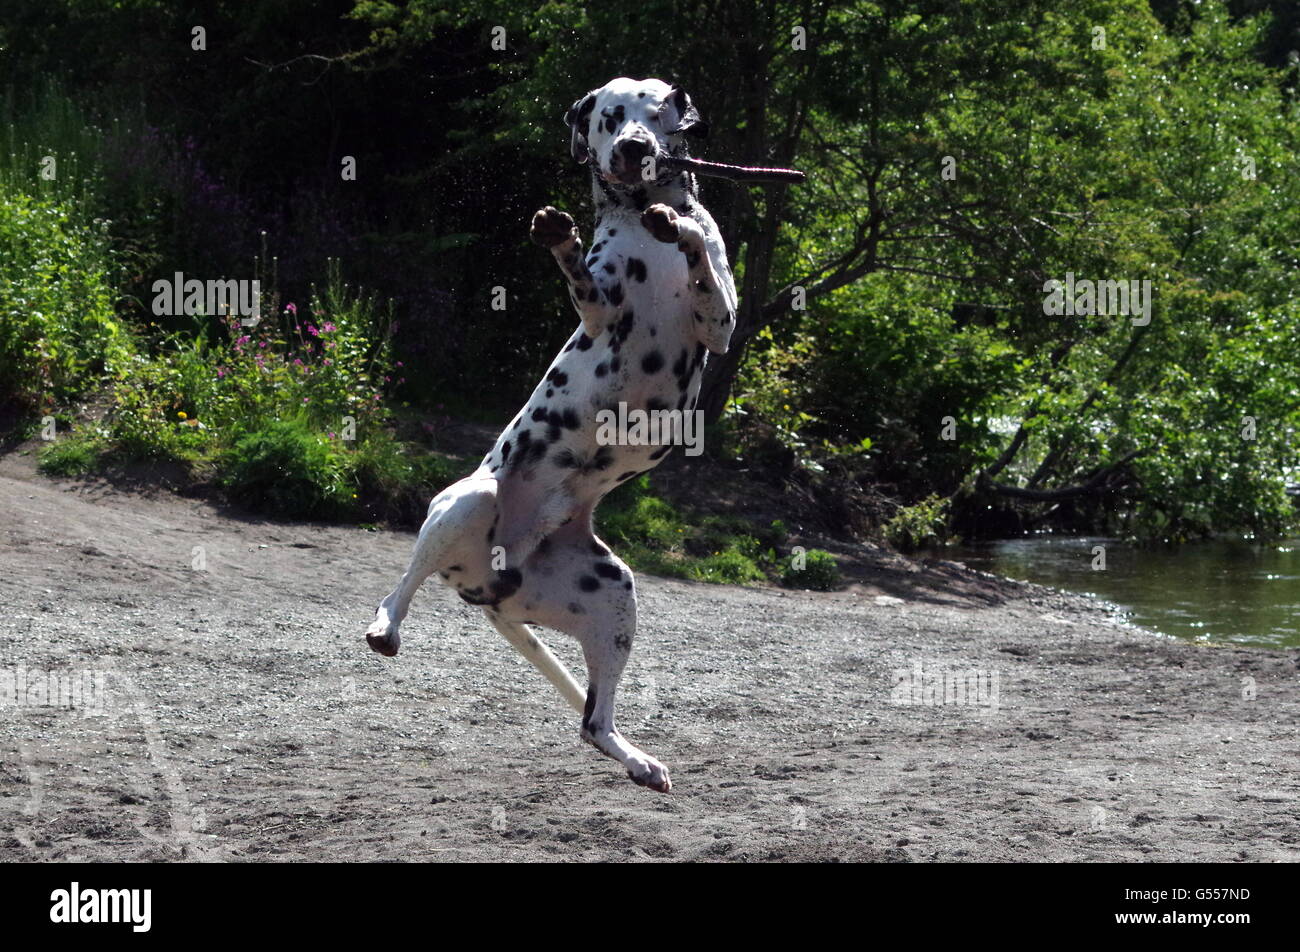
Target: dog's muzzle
[(627, 160)]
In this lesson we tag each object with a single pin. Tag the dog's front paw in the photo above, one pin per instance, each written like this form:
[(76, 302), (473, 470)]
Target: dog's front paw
[(660, 221), (552, 227)]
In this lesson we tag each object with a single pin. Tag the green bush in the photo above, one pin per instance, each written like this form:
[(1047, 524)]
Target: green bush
[(815, 569), (288, 469), (913, 527), (58, 334)]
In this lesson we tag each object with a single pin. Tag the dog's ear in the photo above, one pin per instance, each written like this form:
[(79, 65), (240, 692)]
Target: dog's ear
[(689, 121), (577, 116)]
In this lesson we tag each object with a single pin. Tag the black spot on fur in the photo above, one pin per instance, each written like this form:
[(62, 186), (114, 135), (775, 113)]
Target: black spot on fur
[(607, 570), (636, 269), (679, 365), (569, 419), (602, 369), (539, 414), (590, 706), (628, 475), (505, 450), (652, 362), (625, 324), (506, 583), (661, 453), (584, 342), (615, 294)]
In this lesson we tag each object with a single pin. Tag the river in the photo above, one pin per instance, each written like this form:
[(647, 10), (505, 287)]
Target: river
[(1219, 591)]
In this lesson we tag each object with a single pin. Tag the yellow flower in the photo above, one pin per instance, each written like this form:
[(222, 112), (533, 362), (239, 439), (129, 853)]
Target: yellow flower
[(181, 414)]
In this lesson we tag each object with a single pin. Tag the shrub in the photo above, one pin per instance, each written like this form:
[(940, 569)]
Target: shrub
[(58, 334), (816, 570), (286, 468), (922, 524)]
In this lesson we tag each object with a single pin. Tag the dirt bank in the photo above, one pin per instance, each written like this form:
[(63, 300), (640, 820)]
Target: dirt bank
[(244, 718)]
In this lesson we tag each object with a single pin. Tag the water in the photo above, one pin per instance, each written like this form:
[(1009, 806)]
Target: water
[(1215, 591)]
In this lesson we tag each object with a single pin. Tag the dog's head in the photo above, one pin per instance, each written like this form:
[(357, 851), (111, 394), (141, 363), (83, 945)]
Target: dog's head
[(627, 123)]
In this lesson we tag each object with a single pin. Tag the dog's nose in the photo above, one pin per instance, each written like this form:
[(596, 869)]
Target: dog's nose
[(633, 151)]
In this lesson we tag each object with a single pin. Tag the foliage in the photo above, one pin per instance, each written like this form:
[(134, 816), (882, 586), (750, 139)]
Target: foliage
[(919, 525), (652, 536), (58, 332), (815, 569)]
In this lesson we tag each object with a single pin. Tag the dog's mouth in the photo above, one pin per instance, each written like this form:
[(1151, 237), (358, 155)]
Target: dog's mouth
[(629, 176)]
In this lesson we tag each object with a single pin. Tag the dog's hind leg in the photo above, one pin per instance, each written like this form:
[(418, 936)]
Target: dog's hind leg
[(530, 646), (459, 515), (574, 584)]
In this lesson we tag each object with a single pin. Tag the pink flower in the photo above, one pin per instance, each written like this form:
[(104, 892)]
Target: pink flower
[(292, 308), (262, 344), (298, 361), (328, 327), (311, 329), (221, 372), (400, 364)]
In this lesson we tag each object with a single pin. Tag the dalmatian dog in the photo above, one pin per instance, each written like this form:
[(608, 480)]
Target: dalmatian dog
[(655, 297)]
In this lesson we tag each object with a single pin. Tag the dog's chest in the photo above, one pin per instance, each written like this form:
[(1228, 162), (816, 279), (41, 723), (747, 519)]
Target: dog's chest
[(646, 359)]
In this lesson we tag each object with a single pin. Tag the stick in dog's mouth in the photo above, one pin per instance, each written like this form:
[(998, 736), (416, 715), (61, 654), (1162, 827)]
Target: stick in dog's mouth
[(737, 173)]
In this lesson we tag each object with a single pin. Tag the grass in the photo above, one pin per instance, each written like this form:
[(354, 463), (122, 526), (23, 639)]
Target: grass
[(71, 456), (652, 536)]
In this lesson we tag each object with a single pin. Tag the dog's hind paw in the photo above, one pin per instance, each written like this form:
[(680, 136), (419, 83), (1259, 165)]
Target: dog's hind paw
[(661, 221), (383, 639), (650, 773), (551, 227)]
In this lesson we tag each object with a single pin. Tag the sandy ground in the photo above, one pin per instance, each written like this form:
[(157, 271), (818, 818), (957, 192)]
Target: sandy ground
[(243, 718)]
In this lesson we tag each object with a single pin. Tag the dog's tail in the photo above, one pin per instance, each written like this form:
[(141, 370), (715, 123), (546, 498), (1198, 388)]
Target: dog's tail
[(531, 647)]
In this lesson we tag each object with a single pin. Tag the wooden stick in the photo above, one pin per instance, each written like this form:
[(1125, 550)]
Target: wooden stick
[(737, 173)]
